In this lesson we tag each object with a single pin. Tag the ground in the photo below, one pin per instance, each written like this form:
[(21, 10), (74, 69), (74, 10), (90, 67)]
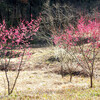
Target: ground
[(39, 79)]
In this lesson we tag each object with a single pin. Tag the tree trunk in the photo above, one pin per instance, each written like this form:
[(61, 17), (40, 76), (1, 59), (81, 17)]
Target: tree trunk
[(91, 74), (91, 80), (70, 77), (62, 74), (30, 12)]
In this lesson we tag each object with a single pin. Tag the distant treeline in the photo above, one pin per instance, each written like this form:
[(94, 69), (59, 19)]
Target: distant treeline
[(14, 10)]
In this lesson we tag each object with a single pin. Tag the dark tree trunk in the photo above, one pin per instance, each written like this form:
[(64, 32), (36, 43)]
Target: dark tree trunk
[(70, 77), (30, 12), (91, 80)]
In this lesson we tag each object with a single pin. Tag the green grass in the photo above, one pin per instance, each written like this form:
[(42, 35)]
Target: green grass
[(66, 94)]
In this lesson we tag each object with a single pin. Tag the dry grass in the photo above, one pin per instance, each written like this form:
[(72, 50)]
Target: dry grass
[(48, 86), (38, 82)]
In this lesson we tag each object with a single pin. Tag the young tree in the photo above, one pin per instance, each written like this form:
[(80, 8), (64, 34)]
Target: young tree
[(82, 43), (13, 39)]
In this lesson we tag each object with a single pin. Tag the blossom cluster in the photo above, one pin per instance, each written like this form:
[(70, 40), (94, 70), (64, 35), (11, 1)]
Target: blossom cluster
[(21, 34), (86, 31), (17, 37)]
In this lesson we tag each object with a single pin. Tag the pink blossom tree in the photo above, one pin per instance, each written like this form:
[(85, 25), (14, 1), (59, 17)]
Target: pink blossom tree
[(13, 39), (82, 43)]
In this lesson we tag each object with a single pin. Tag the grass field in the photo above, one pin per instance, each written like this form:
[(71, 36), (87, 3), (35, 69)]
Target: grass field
[(40, 80)]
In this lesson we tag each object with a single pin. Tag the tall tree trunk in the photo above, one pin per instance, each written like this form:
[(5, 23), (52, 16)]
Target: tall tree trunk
[(13, 22), (30, 11)]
